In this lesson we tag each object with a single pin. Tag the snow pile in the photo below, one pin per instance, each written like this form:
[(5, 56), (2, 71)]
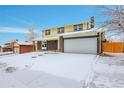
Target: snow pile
[(10, 69)]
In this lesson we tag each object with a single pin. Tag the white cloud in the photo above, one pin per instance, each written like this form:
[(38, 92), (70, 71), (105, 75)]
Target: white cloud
[(13, 30)]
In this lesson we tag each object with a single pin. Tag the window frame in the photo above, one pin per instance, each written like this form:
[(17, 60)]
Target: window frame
[(47, 32), (78, 27), (59, 31)]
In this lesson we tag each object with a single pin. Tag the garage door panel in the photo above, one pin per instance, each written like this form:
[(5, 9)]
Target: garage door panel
[(81, 45)]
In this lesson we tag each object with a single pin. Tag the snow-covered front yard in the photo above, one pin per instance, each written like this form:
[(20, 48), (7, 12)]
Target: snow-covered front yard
[(109, 72), (45, 69), (38, 69)]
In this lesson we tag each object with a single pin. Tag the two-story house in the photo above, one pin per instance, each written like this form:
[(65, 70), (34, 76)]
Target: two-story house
[(51, 35), (70, 38)]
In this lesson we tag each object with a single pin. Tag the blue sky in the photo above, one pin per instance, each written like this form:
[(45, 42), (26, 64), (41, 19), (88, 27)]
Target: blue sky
[(15, 20)]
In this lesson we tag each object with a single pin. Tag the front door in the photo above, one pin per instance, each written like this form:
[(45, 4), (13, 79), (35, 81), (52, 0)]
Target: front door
[(52, 45), (39, 45)]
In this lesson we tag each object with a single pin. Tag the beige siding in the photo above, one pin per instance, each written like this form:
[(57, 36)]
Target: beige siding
[(67, 28), (16, 47), (53, 33), (36, 47), (1, 49), (85, 26), (16, 50)]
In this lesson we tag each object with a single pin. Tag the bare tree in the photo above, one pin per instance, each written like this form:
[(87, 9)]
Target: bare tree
[(114, 21), (32, 34)]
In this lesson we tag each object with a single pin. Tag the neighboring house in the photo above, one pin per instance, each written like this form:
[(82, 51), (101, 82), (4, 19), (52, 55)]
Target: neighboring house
[(7, 47), (17, 47), (1, 49), (22, 47), (76, 38)]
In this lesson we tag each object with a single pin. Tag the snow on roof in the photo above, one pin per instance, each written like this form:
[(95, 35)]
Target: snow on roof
[(95, 30), (2, 45), (51, 38), (37, 39), (83, 31), (24, 43)]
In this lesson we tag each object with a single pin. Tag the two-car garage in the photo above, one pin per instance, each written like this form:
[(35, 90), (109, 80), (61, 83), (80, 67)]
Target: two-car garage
[(88, 42), (81, 45)]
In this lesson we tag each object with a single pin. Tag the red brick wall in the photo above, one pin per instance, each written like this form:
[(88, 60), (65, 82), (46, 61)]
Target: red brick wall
[(26, 48)]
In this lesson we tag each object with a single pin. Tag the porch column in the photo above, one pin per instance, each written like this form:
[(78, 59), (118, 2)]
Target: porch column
[(61, 44), (36, 46), (58, 45)]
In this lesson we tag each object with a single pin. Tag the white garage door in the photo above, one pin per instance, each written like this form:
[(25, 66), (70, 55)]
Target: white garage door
[(81, 45)]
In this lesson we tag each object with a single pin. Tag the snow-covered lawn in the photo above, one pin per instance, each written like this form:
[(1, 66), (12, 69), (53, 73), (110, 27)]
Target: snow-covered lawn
[(5, 53), (109, 72), (38, 69), (46, 70)]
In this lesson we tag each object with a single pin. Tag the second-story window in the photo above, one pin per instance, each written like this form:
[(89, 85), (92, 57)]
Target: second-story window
[(60, 30), (78, 27), (47, 32)]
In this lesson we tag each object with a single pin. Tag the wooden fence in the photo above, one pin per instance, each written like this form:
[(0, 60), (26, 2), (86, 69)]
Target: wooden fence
[(114, 47)]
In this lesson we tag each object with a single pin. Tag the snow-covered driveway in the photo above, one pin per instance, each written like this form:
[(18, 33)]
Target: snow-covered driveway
[(46, 70)]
